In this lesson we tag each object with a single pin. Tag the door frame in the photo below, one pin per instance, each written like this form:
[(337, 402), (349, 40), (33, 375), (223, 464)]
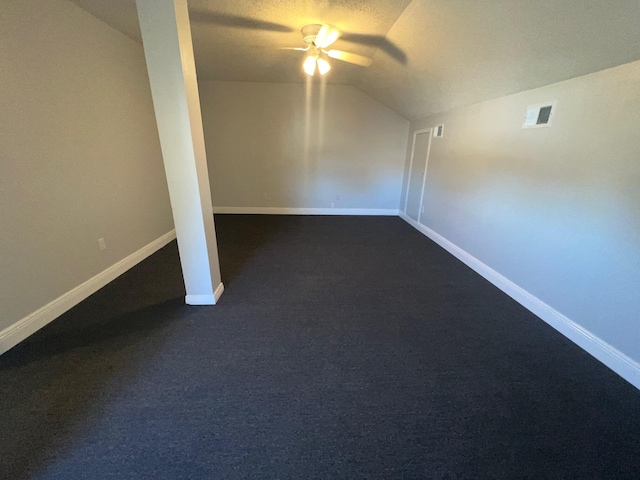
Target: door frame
[(426, 164)]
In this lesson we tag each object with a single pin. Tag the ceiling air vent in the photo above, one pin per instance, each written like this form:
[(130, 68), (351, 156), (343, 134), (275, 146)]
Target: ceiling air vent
[(438, 131), (539, 115)]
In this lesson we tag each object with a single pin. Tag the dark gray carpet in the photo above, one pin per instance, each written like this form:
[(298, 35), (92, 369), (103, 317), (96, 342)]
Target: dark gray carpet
[(342, 348)]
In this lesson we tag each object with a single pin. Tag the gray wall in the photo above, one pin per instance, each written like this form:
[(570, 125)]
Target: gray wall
[(79, 153), (556, 210), (267, 149)]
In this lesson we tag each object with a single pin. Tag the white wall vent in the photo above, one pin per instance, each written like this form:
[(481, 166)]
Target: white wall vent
[(438, 131), (539, 115)]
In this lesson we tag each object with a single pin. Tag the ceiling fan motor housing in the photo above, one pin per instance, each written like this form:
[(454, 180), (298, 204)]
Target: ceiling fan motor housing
[(310, 32)]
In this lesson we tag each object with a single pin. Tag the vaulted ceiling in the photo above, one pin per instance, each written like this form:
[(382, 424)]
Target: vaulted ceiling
[(429, 55)]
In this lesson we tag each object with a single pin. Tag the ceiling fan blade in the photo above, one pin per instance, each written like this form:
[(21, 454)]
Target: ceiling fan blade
[(326, 36), (299, 49), (377, 41), (350, 57)]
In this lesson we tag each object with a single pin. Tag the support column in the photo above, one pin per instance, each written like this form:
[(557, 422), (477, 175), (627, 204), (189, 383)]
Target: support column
[(168, 48)]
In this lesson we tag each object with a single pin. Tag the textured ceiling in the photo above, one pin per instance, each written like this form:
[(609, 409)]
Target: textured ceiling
[(429, 55), (461, 52)]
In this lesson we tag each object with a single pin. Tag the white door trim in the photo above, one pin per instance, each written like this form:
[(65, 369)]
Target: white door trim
[(426, 163)]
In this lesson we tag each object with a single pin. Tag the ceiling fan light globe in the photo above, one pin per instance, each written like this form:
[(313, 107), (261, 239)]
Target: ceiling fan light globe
[(309, 65), (323, 66)]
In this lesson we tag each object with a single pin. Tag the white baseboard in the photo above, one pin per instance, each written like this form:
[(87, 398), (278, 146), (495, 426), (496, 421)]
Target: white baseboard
[(205, 299), (14, 334), (307, 211), (617, 361), (218, 292)]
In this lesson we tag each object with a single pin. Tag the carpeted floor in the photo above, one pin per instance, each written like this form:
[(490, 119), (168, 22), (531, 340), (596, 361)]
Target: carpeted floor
[(342, 348)]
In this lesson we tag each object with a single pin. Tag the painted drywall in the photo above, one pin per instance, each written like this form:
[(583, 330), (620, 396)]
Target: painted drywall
[(166, 34), (281, 145), (79, 153), (556, 209)]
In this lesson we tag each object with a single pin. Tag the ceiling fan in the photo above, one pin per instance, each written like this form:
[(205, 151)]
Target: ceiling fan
[(318, 38), (310, 34)]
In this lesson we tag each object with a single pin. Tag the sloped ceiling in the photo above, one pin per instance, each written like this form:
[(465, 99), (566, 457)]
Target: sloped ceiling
[(429, 55)]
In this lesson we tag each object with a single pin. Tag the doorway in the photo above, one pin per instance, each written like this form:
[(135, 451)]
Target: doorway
[(413, 207)]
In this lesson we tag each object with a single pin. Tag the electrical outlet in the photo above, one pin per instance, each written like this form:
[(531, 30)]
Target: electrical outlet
[(333, 205), (102, 244)]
